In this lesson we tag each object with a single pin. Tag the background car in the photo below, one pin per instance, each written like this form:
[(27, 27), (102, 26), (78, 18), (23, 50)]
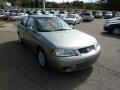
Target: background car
[(72, 19), (6, 15), (88, 16), (113, 25), (62, 15), (98, 14), (57, 44), (37, 12), (13, 17), (117, 14), (108, 15), (1, 15), (21, 15)]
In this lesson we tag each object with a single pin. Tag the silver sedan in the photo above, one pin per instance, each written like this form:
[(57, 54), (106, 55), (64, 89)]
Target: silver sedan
[(57, 44)]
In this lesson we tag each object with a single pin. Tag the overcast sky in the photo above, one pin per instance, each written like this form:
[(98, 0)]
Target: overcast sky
[(58, 1)]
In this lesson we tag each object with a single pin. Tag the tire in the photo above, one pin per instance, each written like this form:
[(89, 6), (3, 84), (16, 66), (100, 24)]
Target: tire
[(41, 58), (20, 39), (116, 31)]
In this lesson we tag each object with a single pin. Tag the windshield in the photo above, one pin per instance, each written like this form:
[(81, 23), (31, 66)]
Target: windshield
[(86, 13), (51, 24), (71, 16), (108, 12), (117, 15), (98, 12)]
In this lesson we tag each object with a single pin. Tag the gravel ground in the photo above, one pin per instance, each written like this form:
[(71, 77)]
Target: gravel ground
[(19, 69)]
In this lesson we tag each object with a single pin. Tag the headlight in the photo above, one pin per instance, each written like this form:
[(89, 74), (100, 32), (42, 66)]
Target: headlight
[(63, 52), (96, 44), (107, 23)]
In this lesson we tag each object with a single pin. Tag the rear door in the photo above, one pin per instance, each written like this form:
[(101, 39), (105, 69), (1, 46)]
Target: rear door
[(31, 33)]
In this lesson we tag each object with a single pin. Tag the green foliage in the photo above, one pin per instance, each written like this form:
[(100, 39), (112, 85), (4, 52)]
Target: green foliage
[(78, 4), (114, 4), (1, 5)]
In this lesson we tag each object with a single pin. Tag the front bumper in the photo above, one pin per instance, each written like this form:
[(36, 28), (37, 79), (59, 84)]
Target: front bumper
[(98, 16), (108, 28), (87, 19), (74, 63)]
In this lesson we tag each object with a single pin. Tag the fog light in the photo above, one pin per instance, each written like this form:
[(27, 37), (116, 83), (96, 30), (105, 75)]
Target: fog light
[(67, 69)]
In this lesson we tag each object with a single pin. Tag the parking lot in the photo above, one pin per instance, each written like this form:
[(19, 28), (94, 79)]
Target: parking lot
[(19, 69)]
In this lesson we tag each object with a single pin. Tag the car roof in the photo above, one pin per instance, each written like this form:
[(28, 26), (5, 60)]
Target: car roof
[(37, 16)]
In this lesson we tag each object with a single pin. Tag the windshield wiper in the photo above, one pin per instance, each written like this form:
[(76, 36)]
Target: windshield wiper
[(46, 30), (61, 29)]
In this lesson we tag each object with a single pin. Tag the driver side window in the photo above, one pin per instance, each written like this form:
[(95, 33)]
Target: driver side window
[(30, 22), (24, 21)]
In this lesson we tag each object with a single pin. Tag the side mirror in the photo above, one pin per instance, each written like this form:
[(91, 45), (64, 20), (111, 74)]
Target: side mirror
[(30, 28)]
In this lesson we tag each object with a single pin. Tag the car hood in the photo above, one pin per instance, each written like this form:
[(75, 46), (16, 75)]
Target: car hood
[(108, 14), (98, 14), (68, 39), (86, 16), (69, 19), (113, 19)]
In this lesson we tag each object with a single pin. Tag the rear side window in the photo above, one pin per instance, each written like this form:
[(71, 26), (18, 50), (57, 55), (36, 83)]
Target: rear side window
[(24, 21)]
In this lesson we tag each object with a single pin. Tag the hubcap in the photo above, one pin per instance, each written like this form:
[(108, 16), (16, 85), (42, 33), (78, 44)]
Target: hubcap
[(41, 59)]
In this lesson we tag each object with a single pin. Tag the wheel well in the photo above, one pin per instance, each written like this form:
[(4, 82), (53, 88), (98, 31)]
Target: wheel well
[(39, 48)]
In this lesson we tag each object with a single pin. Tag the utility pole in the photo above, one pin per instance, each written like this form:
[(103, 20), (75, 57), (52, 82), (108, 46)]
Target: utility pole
[(44, 5), (63, 3), (43, 2)]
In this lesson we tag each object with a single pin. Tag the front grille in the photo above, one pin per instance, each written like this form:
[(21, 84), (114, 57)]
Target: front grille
[(86, 49)]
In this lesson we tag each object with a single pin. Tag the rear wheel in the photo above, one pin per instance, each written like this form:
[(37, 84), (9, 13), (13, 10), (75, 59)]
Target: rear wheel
[(116, 31)]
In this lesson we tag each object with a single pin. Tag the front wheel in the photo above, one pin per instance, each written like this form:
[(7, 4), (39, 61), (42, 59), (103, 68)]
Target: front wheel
[(116, 31), (41, 58)]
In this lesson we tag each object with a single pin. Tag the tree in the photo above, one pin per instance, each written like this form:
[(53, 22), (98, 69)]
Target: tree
[(113, 5), (78, 4)]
